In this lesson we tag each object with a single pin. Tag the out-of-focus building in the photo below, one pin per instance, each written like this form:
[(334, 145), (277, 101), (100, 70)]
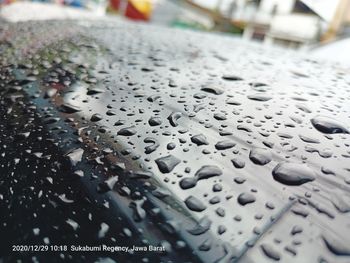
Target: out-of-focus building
[(291, 23), (296, 23)]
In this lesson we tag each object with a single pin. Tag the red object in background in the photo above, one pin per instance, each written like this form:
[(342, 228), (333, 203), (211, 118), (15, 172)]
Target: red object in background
[(114, 4), (5, 2), (132, 9), (132, 12)]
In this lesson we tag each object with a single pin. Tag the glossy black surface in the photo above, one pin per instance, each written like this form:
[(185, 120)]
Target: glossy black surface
[(218, 149)]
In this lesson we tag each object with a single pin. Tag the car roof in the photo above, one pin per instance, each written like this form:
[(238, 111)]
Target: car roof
[(239, 150)]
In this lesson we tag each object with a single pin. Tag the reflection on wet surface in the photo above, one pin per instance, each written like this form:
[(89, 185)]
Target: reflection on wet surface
[(216, 149)]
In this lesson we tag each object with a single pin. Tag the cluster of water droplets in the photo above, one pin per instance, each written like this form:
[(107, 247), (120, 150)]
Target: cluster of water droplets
[(226, 153)]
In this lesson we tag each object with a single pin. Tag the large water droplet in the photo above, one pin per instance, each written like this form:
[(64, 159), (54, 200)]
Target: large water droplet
[(259, 97), (154, 121), (128, 131), (153, 147), (336, 246), (270, 252), (293, 173), (167, 164), (260, 156), (194, 204), (68, 108), (328, 125), (202, 226), (212, 88), (223, 145), (173, 117), (75, 156), (208, 171), (199, 139), (246, 198)]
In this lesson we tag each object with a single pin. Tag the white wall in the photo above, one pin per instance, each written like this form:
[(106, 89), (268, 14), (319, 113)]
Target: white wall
[(283, 6)]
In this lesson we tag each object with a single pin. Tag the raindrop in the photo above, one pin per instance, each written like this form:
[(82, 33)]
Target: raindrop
[(212, 88), (103, 230), (246, 198), (173, 117), (75, 156), (260, 156), (68, 108), (238, 163), (199, 139), (208, 171), (153, 147), (270, 252), (336, 246), (202, 226), (194, 204), (128, 131), (167, 164), (328, 125), (49, 93), (188, 182), (231, 77), (96, 117), (293, 173), (223, 145), (154, 121), (259, 97)]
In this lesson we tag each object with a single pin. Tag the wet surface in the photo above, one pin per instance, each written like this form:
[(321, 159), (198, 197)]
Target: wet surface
[(216, 149)]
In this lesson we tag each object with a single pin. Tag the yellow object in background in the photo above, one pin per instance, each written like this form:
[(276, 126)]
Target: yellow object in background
[(145, 7)]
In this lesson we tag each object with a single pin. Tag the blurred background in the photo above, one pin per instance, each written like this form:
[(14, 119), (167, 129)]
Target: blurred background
[(322, 26)]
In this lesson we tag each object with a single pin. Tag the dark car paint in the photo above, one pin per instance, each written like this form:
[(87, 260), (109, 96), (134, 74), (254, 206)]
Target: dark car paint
[(93, 87)]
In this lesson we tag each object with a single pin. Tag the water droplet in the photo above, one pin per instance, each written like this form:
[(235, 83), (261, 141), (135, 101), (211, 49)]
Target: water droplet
[(223, 145), (153, 147), (208, 171), (173, 117), (199, 139), (231, 77), (75, 156), (171, 146), (93, 91), (259, 97), (202, 226), (49, 93), (293, 173), (308, 139), (188, 182), (238, 163), (139, 212), (194, 204), (246, 198), (212, 88), (103, 230), (167, 164), (260, 156), (270, 252), (155, 121), (296, 230), (336, 246), (128, 131), (96, 117), (328, 125), (107, 185), (68, 108)]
